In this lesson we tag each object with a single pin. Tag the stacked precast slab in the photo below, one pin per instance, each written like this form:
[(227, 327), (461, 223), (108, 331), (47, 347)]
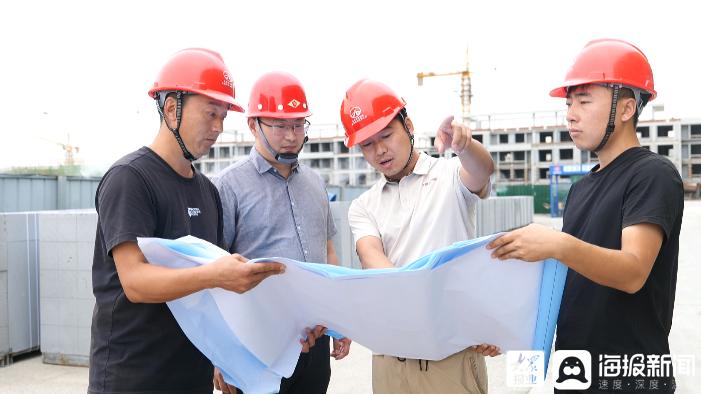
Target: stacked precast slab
[(19, 292)]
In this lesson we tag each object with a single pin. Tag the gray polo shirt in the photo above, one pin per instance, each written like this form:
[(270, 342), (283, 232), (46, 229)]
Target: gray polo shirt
[(266, 215)]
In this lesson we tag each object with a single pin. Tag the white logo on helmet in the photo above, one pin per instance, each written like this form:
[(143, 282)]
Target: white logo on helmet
[(357, 115), (294, 103), (227, 80)]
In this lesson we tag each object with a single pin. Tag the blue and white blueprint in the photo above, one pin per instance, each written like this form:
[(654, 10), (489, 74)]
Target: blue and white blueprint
[(436, 306)]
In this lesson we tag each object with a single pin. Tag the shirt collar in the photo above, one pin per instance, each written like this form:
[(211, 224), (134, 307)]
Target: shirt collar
[(263, 165), (423, 164)]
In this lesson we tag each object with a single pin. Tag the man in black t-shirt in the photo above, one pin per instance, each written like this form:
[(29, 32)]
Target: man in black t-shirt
[(137, 345), (621, 227)]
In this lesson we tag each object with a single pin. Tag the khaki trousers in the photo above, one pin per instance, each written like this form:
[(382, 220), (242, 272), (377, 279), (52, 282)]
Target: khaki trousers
[(463, 372)]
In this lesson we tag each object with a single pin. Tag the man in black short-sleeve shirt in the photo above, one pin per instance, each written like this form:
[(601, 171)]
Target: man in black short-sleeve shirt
[(137, 345), (141, 195), (620, 235)]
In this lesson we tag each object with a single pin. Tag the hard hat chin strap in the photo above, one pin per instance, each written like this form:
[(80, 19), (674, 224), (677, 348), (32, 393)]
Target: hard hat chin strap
[(612, 118), (283, 158), (402, 118), (178, 116)]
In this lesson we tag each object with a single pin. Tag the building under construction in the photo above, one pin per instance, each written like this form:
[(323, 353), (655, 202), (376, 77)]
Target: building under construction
[(522, 154)]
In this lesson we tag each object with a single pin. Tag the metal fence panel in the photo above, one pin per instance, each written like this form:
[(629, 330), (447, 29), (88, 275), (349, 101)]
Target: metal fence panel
[(25, 193)]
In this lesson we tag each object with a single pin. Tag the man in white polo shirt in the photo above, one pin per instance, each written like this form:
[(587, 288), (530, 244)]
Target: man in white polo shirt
[(420, 204)]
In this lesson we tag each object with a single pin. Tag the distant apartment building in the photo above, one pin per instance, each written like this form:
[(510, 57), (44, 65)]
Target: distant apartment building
[(325, 152), (523, 148)]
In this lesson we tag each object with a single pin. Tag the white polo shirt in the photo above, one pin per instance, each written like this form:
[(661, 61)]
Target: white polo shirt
[(426, 210)]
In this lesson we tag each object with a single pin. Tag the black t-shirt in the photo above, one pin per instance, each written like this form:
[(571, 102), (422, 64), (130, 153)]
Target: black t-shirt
[(637, 187), (139, 348)]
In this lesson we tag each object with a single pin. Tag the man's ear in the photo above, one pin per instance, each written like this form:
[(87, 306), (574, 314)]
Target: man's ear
[(627, 109), (253, 126), (170, 109)]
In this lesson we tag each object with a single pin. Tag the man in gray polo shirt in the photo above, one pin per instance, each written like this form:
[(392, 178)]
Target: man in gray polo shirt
[(274, 206)]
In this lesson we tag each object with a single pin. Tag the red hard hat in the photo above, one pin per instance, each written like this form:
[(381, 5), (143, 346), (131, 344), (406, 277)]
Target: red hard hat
[(278, 95), (368, 108), (609, 61), (197, 70)]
